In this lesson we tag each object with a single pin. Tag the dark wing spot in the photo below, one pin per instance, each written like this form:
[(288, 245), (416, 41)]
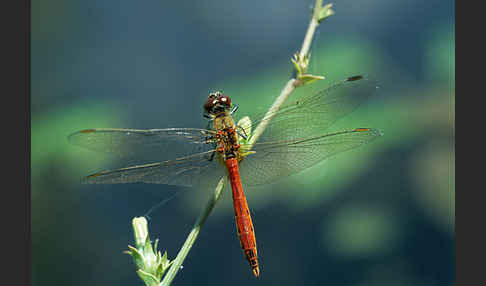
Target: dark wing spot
[(87, 131), (361, 129), (94, 175), (356, 77)]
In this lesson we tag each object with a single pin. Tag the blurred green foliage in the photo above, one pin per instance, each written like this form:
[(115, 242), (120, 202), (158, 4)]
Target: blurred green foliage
[(360, 231), (49, 138)]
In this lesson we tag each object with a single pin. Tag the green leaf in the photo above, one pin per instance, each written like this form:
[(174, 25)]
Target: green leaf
[(309, 78), (295, 62), (324, 12), (148, 279), (151, 264), (163, 265), (137, 256), (156, 244)]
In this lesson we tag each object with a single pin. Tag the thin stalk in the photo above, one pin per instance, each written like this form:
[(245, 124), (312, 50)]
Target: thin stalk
[(284, 94), (293, 81), (311, 29), (191, 238)]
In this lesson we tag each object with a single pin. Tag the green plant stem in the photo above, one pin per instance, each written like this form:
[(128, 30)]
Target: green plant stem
[(191, 238), (293, 82), (311, 29), (284, 94)]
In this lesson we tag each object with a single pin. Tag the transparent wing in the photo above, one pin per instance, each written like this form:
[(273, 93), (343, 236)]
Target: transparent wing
[(312, 115), (173, 156), (274, 160), (133, 146), (197, 169)]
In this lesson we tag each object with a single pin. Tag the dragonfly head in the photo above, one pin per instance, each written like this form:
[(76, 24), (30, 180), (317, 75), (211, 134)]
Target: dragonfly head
[(217, 103)]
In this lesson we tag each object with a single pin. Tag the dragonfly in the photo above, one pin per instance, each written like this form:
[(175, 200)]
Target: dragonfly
[(294, 139)]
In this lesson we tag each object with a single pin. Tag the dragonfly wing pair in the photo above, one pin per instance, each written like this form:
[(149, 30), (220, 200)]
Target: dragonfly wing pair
[(173, 156), (274, 160), (294, 140)]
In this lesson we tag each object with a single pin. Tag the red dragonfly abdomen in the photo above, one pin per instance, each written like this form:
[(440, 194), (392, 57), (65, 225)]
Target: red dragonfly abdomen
[(244, 225)]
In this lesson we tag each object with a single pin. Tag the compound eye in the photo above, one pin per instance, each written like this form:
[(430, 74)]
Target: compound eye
[(225, 100), (210, 103)]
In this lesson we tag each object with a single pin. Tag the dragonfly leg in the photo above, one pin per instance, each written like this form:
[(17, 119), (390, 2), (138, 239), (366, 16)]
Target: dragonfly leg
[(235, 108), (212, 157), (208, 126), (210, 138), (220, 149), (241, 132), (242, 135)]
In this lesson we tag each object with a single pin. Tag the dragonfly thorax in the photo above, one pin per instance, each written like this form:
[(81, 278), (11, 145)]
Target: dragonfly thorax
[(227, 143)]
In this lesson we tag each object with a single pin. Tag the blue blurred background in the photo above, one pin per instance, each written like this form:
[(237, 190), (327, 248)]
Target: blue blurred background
[(379, 215)]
